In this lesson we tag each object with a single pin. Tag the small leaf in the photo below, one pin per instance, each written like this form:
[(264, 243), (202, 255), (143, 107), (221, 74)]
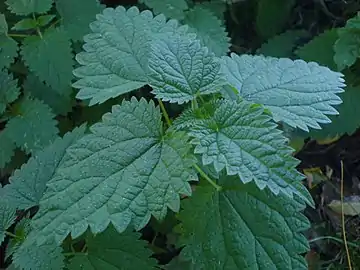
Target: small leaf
[(9, 90), (33, 127), (8, 51), (272, 16), (59, 103), (25, 24), (137, 169), (298, 93), (21, 230), (209, 30), (283, 45), (320, 49), (76, 18), (53, 68), (44, 20), (173, 9), (26, 7), (111, 250), (3, 24), (243, 228), (242, 139), (181, 69), (28, 184), (347, 46), (7, 217)]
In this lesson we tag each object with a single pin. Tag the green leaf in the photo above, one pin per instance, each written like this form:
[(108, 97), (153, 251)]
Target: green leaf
[(7, 217), (209, 30), (3, 24), (283, 45), (272, 16), (116, 54), (46, 256), (137, 169), (25, 24), (28, 184), (240, 138), (344, 122), (21, 230), (347, 47), (181, 69), (9, 90), (53, 68), (298, 93), (45, 19), (7, 149), (217, 7), (8, 50), (111, 250), (243, 228), (173, 9), (59, 103), (320, 49), (33, 127), (76, 18), (26, 7)]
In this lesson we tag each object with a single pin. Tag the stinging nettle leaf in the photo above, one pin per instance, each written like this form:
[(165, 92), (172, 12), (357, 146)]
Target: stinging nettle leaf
[(7, 149), (243, 228), (111, 250), (25, 24), (26, 7), (76, 18), (181, 69), (9, 90), (28, 184), (115, 60), (298, 93), (53, 68), (126, 170), (241, 138), (7, 217), (209, 30), (9, 46), (33, 127)]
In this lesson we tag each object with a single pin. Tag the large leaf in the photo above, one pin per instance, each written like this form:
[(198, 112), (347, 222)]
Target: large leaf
[(76, 18), (126, 170), (171, 8), (181, 69), (243, 228), (209, 29), (28, 184), (33, 127), (50, 58), (298, 93), (242, 139), (116, 53), (111, 250)]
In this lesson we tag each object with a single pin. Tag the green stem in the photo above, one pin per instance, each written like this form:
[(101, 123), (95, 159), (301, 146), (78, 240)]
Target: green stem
[(333, 238), (207, 178), (11, 234), (37, 28), (18, 35), (166, 116)]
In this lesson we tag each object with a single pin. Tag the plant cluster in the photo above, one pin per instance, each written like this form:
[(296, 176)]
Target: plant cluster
[(221, 169)]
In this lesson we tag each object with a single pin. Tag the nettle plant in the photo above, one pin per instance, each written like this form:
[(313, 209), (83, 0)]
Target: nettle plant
[(223, 165)]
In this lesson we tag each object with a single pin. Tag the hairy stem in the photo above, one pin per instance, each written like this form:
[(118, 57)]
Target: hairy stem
[(207, 178), (163, 110)]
